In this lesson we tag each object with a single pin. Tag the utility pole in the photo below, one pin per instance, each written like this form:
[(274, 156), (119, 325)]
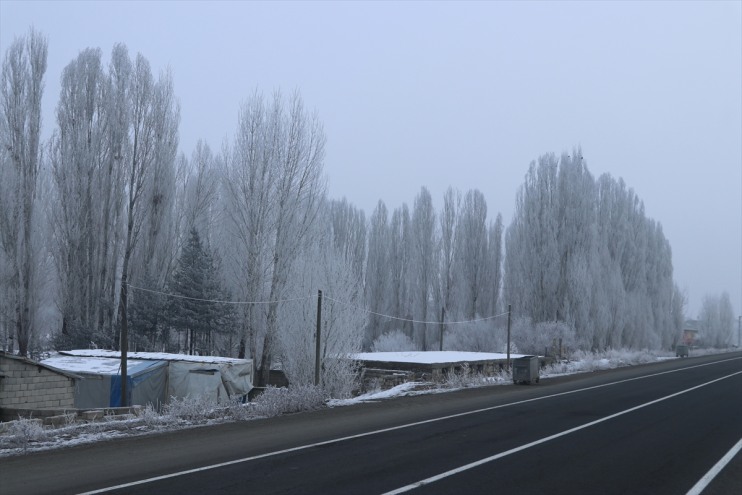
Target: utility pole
[(124, 340), (508, 336), (319, 328), (443, 319), (739, 333)]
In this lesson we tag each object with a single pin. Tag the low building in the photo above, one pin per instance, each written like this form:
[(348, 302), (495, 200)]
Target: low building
[(158, 376), (100, 384), (27, 385), (392, 368)]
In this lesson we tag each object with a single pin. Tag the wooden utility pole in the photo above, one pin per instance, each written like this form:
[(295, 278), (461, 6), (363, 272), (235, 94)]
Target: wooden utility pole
[(443, 319), (124, 339), (508, 336), (318, 335)]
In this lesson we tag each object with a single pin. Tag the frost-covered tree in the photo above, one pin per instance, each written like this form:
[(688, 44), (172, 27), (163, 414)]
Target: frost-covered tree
[(158, 233), (112, 158), (584, 253), (322, 265), (200, 189), (531, 264), (448, 231), (493, 273), (21, 90), (400, 245), (423, 264), (545, 336), (349, 233), (86, 177), (248, 183), (273, 186), (677, 312), (717, 320), (576, 242), (153, 143), (377, 281), (472, 254)]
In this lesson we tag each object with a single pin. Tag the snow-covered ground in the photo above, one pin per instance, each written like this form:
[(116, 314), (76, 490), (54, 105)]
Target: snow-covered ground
[(431, 357), (28, 436)]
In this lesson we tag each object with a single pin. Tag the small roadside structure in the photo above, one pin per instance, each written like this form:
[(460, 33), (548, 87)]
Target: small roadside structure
[(431, 365), (100, 384), (525, 369), (27, 385), (216, 378)]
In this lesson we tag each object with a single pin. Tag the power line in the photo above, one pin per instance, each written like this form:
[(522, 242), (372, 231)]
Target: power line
[(397, 318), (217, 300), (278, 301)]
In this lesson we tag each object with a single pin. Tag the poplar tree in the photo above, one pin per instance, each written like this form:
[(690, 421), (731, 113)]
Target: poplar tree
[(21, 89)]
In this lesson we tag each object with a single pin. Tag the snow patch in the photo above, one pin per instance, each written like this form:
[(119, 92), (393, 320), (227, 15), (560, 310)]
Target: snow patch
[(431, 357)]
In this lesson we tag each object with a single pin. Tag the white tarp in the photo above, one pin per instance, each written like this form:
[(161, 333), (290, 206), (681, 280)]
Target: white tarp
[(100, 385), (196, 380), (214, 376)]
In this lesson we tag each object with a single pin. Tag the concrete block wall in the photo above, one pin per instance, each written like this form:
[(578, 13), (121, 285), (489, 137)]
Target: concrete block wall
[(24, 384)]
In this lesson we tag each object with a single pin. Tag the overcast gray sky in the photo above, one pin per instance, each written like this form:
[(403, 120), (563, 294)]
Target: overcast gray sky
[(462, 94)]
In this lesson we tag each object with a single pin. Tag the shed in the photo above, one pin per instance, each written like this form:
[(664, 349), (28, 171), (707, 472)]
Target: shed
[(213, 376), (100, 385), (435, 364)]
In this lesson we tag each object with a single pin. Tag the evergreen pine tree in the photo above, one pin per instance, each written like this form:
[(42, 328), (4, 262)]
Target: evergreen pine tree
[(195, 287)]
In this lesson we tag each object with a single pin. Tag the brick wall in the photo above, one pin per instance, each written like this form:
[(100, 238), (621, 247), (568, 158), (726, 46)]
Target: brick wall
[(25, 384)]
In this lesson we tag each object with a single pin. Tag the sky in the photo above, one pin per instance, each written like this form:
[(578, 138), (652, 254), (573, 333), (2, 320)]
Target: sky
[(459, 94)]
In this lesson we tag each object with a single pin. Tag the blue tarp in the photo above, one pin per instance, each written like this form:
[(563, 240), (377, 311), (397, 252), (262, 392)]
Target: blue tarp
[(146, 381), (100, 385)]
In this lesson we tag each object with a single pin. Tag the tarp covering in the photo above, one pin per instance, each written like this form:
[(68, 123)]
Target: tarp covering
[(145, 386), (213, 376), (101, 381), (196, 379)]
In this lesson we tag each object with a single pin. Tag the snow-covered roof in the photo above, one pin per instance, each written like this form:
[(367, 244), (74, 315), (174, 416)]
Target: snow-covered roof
[(97, 365), (156, 356), (67, 373), (431, 357)]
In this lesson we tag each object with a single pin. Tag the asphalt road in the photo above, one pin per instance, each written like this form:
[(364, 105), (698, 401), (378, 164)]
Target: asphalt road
[(655, 429)]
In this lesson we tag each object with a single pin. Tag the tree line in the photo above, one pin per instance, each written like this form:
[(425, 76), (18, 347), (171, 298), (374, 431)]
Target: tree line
[(107, 230)]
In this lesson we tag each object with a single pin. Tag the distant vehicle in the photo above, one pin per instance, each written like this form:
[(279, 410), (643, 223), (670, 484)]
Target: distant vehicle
[(681, 350)]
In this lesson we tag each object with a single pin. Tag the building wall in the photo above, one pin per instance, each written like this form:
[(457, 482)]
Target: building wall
[(25, 384)]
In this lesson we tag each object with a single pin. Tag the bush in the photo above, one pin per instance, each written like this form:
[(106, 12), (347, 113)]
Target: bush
[(276, 401), (466, 379), (532, 338), (238, 410), (393, 341), (151, 417), (25, 430), (478, 336), (190, 408)]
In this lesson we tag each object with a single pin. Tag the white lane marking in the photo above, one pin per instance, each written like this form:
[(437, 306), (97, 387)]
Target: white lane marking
[(480, 462), (708, 477), (384, 430)]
